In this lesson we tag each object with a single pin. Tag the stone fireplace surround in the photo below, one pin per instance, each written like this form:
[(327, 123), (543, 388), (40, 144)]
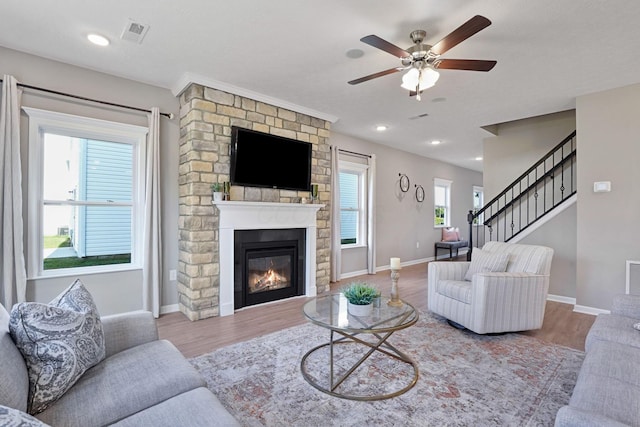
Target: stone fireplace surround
[(262, 215), (206, 118)]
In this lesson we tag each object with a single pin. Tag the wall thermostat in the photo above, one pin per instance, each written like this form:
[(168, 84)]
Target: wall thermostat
[(602, 186)]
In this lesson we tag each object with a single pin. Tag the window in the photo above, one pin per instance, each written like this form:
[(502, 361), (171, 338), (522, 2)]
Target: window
[(441, 202), (478, 203), (85, 194), (352, 204)]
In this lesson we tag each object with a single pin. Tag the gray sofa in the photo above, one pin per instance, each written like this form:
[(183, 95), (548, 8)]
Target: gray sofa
[(143, 381), (607, 392)]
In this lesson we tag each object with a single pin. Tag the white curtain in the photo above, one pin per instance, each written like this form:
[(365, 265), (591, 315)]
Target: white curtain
[(371, 215), (13, 287), (336, 255), (152, 249)]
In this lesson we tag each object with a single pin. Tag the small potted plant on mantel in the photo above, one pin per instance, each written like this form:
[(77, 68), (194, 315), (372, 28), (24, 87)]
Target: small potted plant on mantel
[(216, 187), (360, 297)]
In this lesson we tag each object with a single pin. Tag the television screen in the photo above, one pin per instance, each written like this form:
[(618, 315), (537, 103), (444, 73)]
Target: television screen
[(262, 160)]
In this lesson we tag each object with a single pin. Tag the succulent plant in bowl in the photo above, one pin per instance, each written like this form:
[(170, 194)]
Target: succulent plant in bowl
[(360, 293)]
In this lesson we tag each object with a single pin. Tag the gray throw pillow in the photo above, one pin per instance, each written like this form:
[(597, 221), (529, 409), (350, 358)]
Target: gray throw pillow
[(59, 342), (10, 417), (486, 262)]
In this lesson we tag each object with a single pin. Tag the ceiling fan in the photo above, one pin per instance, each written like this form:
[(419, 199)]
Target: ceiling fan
[(422, 60)]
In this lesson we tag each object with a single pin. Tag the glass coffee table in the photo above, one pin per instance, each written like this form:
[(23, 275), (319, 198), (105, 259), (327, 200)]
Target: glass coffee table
[(359, 362)]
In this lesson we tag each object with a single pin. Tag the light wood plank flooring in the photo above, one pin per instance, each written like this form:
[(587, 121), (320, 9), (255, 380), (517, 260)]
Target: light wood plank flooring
[(561, 325)]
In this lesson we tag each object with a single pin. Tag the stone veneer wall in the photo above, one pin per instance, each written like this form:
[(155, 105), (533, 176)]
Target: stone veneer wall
[(206, 117)]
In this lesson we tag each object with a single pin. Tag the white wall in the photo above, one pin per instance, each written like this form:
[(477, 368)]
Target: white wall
[(608, 226), (122, 291), (402, 222)]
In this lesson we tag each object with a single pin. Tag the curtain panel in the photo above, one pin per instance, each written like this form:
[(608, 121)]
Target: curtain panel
[(13, 287), (152, 235)]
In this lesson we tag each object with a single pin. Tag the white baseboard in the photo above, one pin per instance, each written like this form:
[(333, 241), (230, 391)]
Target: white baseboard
[(589, 310), (171, 308)]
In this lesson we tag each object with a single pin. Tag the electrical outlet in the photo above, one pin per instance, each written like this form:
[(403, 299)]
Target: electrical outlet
[(173, 275), (417, 245)]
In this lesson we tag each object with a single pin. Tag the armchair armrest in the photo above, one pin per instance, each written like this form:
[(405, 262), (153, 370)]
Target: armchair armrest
[(626, 305), (127, 330), (449, 270)]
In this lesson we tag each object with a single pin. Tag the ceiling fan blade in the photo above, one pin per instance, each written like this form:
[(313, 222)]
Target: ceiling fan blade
[(375, 75), (382, 44), (465, 64), (460, 34)]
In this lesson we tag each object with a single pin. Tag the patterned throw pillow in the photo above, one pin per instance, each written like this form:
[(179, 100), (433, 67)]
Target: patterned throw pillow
[(483, 262), (59, 342), (10, 417)]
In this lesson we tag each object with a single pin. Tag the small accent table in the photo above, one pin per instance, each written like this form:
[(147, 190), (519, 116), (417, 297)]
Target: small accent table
[(330, 312)]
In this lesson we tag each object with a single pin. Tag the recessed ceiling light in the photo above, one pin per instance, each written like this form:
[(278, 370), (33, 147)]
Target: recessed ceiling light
[(99, 40), (435, 142), (479, 158), (381, 128)]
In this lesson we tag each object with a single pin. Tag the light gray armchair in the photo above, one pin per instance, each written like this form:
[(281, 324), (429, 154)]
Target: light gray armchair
[(505, 289)]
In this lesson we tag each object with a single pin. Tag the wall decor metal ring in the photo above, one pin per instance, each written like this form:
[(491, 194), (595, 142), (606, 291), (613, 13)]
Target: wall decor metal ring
[(419, 193), (404, 182)]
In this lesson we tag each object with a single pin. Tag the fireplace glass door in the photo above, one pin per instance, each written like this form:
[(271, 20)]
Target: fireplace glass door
[(268, 271)]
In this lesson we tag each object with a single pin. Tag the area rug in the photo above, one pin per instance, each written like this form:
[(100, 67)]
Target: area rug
[(464, 379)]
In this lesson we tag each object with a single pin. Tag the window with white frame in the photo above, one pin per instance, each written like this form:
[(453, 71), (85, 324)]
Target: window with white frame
[(441, 202), (353, 204), (85, 194), (478, 203)]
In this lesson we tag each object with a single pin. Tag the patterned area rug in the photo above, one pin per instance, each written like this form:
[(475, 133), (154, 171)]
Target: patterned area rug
[(465, 379)]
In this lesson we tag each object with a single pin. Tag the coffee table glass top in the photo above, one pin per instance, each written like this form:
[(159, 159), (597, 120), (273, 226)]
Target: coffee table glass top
[(330, 311)]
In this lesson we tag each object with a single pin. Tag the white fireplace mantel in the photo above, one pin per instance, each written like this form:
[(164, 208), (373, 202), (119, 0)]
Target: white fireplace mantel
[(237, 215)]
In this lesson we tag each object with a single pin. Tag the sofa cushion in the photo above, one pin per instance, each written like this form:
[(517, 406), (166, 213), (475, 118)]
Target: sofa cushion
[(59, 342), (204, 410), (611, 327), (486, 262), (14, 379), (124, 384), (459, 290), (10, 417), (609, 382)]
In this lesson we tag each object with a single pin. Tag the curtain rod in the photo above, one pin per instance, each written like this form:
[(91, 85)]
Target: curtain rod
[(354, 153), (55, 92)]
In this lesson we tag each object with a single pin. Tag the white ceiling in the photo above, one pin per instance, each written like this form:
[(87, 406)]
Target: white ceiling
[(294, 52)]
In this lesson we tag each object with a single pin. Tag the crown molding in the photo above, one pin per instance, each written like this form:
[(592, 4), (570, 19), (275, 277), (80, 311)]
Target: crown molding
[(188, 78)]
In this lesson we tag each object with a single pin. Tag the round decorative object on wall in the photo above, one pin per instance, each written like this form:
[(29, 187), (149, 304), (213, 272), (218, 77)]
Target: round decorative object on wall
[(419, 193), (404, 182)]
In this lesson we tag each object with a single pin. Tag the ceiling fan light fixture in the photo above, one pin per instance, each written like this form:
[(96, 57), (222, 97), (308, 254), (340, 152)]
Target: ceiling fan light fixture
[(419, 80)]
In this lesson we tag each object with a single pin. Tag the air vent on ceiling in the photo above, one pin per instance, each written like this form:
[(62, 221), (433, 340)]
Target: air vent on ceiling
[(134, 31), (419, 116)]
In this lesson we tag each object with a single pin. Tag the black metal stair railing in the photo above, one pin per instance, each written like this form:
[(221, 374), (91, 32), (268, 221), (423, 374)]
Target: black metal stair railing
[(535, 193)]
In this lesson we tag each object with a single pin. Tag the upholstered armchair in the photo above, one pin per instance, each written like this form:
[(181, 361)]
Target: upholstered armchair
[(504, 288)]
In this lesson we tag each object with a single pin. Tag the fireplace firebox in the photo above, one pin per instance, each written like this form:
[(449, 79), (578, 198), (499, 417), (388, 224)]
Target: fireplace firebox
[(268, 265)]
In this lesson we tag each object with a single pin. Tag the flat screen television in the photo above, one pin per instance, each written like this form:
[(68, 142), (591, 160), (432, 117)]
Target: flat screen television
[(262, 160)]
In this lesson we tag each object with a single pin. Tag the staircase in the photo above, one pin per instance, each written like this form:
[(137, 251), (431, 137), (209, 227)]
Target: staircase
[(545, 186)]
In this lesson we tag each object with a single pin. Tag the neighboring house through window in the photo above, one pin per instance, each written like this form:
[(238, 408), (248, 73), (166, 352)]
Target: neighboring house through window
[(85, 195), (442, 202), (353, 204)]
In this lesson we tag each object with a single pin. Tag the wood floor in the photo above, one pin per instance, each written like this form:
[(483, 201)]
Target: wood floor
[(561, 325)]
